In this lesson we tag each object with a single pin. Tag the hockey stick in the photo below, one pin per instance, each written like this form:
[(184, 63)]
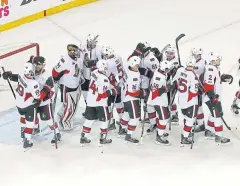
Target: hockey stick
[(172, 96), (177, 46), (10, 85), (143, 123)]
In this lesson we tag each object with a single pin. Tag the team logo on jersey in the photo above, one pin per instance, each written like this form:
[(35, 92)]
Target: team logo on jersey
[(4, 9)]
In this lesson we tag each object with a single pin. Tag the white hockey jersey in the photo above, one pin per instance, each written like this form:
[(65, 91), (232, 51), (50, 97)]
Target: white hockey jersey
[(149, 62), (199, 69), (187, 89), (131, 90), (158, 80), (68, 72), (27, 90), (99, 84), (212, 81), (91, 54), (115, 68)]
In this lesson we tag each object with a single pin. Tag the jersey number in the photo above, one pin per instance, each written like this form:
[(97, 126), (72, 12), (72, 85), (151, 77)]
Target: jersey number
[(93, 87), (182, 85)]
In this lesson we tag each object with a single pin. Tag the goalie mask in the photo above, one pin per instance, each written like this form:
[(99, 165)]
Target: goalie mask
[(73, 51), (92, 41), (29, 70)]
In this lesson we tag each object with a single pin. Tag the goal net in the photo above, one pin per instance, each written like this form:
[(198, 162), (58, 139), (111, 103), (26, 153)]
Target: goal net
[(13, 57)]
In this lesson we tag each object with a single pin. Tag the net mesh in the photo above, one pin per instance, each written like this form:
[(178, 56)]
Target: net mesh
[(13, 57)]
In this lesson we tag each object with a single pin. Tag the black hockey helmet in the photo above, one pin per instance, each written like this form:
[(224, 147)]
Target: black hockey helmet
[(142, 48), (38, 60)]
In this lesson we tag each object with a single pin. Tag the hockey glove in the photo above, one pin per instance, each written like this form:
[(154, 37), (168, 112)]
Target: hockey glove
[(227, 78), (143, 94), (7, 75), (114, 91), (36, 103)]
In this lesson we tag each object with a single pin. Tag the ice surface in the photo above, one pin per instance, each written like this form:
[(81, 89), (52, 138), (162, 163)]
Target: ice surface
[(212, 25)]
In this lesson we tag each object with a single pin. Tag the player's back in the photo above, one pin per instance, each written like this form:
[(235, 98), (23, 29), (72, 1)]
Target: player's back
[(27, 91), (187, 86), (99, 84)]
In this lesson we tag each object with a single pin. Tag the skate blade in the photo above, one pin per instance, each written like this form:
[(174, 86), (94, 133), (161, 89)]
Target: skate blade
[(128, 142), (162, 144), (27, 149), (209, 138), (121, 136), (84, 144), (101, 145), (174, 123), (223, 144)]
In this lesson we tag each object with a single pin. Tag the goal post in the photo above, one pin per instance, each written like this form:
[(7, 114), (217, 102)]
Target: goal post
[(13, 57)]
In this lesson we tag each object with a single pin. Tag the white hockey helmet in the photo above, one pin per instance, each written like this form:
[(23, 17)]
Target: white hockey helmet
[(197, 51), (165, 66), (29, 69), (214, 58), (107, 52), (133, 61), (191, 61), (92, 40), (170, 52), (102, 66)]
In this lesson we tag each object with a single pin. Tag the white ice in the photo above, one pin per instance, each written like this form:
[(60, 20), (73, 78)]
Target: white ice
[(212, 25)]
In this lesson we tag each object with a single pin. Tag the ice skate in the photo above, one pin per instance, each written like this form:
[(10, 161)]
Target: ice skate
[(84, 140), (104, 140), (58, 136), (112, 126), (129, 138), (122, 131), (186, 140), (151, 129), (221, 140), (27, 143), (209, 135), (161, 140)]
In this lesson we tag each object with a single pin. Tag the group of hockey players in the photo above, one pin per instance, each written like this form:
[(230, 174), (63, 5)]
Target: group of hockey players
[(150, 79)]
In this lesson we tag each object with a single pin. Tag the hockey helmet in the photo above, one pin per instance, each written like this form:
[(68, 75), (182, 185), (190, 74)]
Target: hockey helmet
[(29, 69), (73, 50), (102, 66), (107, 52), (170, 52), (92, 41), (133, 61), (165, 66), (214, 58), (191, 61)]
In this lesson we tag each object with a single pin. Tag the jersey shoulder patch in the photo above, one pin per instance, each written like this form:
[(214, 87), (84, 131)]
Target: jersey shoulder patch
[(158, 78), (210, 69), (135, 79), (35, 86)]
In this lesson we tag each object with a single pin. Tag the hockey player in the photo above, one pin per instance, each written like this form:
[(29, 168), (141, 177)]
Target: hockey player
[(90, 54), (97, 106), (115, 75), (131, 101), (158, 101), (67, 75), (188, 98), (199, 69), (212, 85), (170, 55), (46, 83), (27, 99)]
